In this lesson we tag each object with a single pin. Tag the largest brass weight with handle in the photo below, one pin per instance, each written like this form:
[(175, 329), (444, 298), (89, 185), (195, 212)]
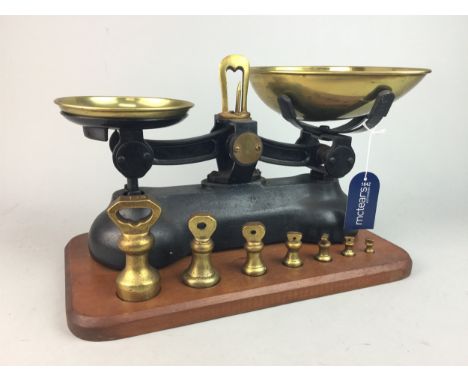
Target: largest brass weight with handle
[(138, 281)]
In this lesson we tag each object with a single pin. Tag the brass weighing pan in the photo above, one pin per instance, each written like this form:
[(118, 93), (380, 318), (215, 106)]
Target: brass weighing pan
[(323, 93), (124, 107), (142, 112)]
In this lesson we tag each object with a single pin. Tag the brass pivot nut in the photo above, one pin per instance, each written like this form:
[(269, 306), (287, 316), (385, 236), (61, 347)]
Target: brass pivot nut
[(349, 247), (201, 273), (324, 249), (370, 246), (253, 233), (138, 281), (247, 148), (293, 244)]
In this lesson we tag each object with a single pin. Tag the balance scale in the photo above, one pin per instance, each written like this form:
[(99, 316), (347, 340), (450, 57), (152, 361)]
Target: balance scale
[(161, 257)]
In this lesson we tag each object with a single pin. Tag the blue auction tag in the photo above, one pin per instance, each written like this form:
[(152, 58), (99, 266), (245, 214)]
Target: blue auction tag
[(362, 201)]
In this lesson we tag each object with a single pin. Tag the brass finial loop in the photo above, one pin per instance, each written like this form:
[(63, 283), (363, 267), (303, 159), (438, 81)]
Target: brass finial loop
[(235, 62), (202, 226), (133, 202)]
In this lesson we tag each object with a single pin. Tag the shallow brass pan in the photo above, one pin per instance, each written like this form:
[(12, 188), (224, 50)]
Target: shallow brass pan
[(124, 107), (323, 93)]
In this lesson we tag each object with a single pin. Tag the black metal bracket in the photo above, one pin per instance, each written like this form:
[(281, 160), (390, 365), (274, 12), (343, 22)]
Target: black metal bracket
[(97, 128), (382, 104), (337, 159), (231, 171), (185, 151), (289, 154), (134, 156), (333, 161)]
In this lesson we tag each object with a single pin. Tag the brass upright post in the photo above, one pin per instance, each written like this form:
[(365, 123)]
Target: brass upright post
[(138, 281)]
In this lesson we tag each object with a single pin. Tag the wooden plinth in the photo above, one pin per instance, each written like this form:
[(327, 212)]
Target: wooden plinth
[(95, 313)]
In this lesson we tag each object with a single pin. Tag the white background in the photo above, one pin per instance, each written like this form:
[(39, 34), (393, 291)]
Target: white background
[(54, 182)]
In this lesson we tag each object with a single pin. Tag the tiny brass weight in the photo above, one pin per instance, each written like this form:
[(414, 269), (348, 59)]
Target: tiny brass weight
[(253, 233), (138, 281), (370, 246), (349, 246), (324, 249), (293, 244), (201, 273)]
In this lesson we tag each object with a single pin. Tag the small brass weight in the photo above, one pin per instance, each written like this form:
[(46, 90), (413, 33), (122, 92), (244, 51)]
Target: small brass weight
[(201, 273), (324, 249), (369, 246), (253, 233), (293, 244), (348, 250), (138, 281)]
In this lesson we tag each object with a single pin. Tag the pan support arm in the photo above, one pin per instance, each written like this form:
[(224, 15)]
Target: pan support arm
[(236, 147)]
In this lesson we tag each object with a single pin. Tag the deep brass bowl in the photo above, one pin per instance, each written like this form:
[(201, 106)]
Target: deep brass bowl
[(124, 107), (324, 93)]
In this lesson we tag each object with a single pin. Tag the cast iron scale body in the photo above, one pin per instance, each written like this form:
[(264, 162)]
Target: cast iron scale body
[(236, 192)]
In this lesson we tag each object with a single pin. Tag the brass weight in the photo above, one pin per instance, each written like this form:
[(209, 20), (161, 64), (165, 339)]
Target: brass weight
[(324, 249), (201, 273), (369, 246), (253, 233), (349, 247), (293, 244), (138, 281)]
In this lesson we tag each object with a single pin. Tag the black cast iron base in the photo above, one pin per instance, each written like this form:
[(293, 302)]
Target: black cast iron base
[(297, 203)]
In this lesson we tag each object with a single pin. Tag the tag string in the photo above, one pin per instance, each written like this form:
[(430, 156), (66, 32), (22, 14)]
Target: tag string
[(369, 144)]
